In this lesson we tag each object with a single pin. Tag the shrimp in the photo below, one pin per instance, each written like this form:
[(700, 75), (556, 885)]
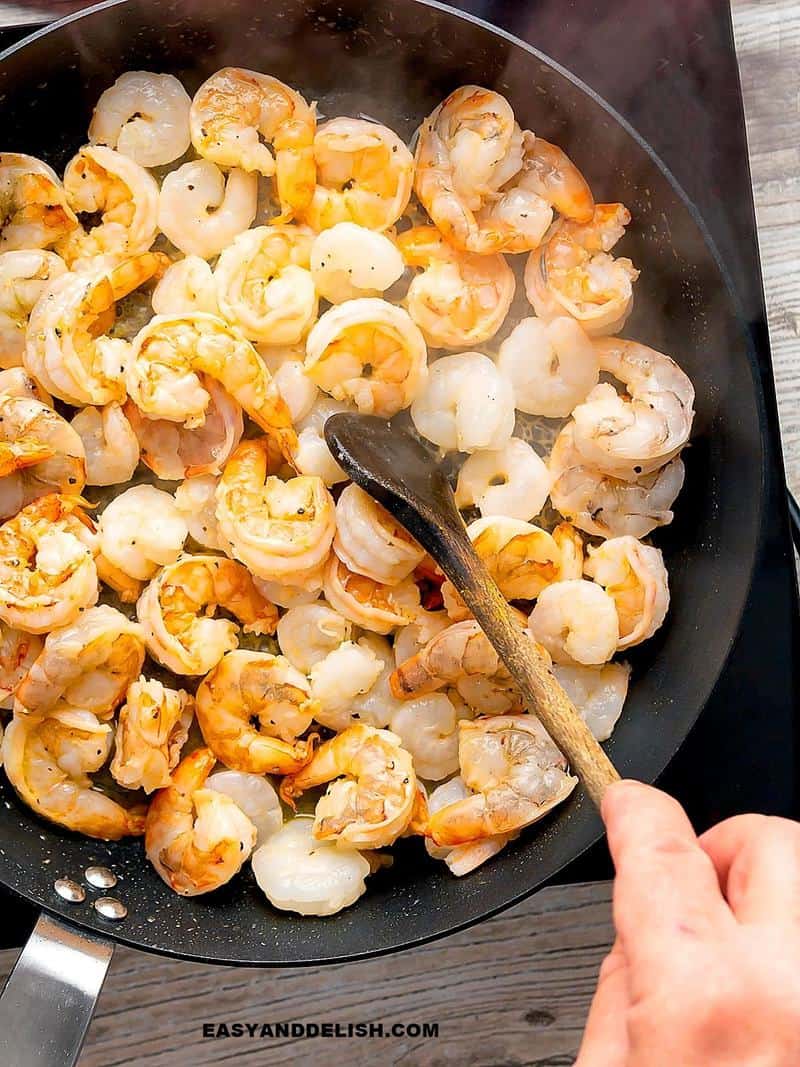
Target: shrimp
[(635, 578), (376, 706), (201, 210), (512, 481), (34, 212), (40, 453), (281, 530), (251, 710), (349, 261), (459, 299), (364, 175), (630, 436), (606, 506), (15, 381), (598, 693), (169, 357), (153, 727), (177, 612), (255, 796), (24, 275), (144, 116), (297, 872), (88, 664), (186, 286), (373, 796), (466, 405), (515, 774), (307, 633), (48, 760), (312, 456), (574, 273), (370, 352), (577, 622), (18, 652), (552, 366), (370, 541), (428, 730), (196, 500), (173, 451), (47, 569), (414, 637), (461, 859), (111, 447), (264, 285), (345, 673), (99, 180), (367, 603), (292, 596), (237, 114), (67, 347), (142, 530), (285, 364), (196, 838)]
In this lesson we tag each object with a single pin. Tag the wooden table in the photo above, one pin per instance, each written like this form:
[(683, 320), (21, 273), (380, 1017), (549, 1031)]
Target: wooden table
[(514, 990)]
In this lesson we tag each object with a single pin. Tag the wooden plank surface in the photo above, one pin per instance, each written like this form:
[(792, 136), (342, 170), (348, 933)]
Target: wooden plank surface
[(515, 990)]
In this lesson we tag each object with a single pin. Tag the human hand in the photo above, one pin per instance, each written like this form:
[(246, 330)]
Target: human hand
[(705, 970)]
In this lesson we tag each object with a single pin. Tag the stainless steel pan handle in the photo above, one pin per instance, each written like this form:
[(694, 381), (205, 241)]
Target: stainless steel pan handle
[(50, 996)]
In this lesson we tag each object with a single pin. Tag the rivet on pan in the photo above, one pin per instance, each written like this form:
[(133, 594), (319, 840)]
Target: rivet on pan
[(110, 908), (69, 890), (100, 877)]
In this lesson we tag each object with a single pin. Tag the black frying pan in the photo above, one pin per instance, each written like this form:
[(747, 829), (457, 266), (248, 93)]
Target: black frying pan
[(394, 60)]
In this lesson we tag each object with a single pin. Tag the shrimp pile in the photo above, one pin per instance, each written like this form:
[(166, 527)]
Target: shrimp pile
[(251, 655)]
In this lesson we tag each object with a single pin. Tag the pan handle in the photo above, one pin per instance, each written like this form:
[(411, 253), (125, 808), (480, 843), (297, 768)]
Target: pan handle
[(50, 996)]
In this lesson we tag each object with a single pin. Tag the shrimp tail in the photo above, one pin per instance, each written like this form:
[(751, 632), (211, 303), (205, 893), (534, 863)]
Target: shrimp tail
[(413, 678)]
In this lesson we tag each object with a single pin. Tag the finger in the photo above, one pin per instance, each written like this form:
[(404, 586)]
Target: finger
[(667, 899), (757, 859), (605, 1039)]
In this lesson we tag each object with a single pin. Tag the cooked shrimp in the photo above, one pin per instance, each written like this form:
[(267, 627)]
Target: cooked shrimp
[(24, 275), (285, 364), (144, 116), (313, 457), (378, 704), (88, 664), (173, 451), (152, 729), (297, 872), (373, 794), (100, 181), (413, 638), (307, 633), (627, 437), (255, 796), (635, 578), (169, 357), (40, 453), (111, 447), (348, 261), (577, 622), (142, 530), (264, 285), (461, 859), (515, 774), (34, 212), (552, 366), (606, 506), (428, 730), (177, 612), (370, 541), (280, 530), (574, 273), (237, 114), (466, 405), (364, 175), (285, 595), (346, 672), (196, 838), (369, 604), (15, 381), (67, 349), (201, 210), (186, 286), (512, 481), (47, 570), (459, 298), (597, 692), (252, 708), (370, 352), (18, 651), (48, 761), (196, 500)]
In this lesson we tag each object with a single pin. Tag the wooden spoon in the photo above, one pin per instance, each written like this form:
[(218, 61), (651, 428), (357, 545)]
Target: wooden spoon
[(398, 471)]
